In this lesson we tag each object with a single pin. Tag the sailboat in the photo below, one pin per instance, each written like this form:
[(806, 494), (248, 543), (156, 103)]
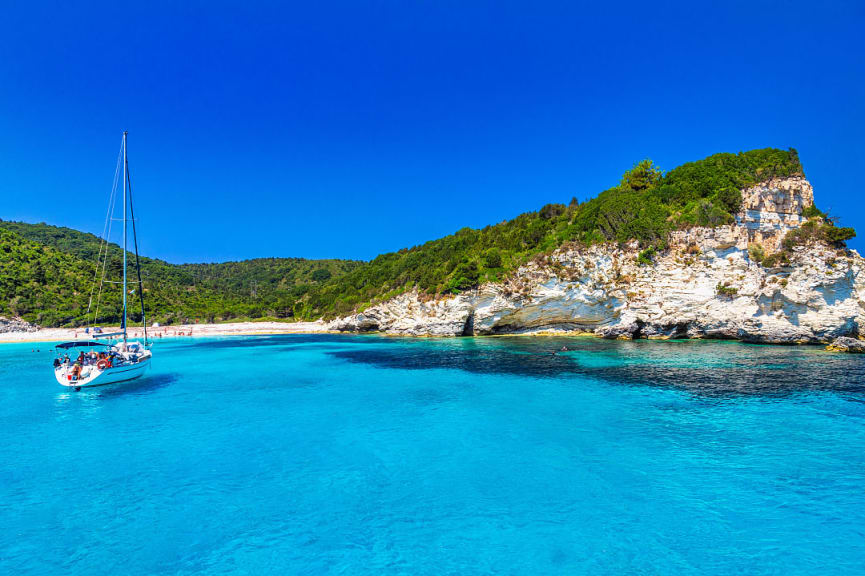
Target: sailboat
[(116, 359)]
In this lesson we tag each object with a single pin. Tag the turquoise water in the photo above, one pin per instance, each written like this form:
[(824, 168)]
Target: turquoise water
[(368, 455)]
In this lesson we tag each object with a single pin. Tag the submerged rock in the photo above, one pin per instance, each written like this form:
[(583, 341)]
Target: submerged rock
[(846, 344)]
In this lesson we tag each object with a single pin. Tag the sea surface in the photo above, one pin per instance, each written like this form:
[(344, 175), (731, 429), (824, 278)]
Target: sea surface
[(369, 455)]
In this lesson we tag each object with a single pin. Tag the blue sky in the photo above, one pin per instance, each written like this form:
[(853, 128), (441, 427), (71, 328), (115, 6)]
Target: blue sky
[(350, 129)]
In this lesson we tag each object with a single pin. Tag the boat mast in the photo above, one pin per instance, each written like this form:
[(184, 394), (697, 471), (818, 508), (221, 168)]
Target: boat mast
[(137, 257), (125, 176)]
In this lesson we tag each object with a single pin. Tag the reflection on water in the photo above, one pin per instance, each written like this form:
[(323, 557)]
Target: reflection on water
[(144, 385), (90, 401)]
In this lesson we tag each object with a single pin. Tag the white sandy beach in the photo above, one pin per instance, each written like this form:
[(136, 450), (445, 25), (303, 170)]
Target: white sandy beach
[(185, 330)]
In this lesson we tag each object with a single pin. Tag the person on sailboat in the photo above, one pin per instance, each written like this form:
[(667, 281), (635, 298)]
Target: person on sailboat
[(76, 370)]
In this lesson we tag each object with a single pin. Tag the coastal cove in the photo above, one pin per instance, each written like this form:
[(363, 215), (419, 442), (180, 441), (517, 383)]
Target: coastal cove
[(388, 455), (732, 246), (432, 289), (773, 269)]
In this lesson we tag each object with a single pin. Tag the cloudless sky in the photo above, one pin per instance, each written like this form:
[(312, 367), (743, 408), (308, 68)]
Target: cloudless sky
[(331, 129)]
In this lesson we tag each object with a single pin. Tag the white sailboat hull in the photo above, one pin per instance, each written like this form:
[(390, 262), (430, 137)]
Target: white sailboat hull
[(92, 376)]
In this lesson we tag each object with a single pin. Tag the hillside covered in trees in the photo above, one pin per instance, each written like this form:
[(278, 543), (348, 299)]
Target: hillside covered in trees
[(46, 272)]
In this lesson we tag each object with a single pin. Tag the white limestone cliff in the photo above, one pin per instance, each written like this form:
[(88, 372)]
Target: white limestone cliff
[(604, 290)]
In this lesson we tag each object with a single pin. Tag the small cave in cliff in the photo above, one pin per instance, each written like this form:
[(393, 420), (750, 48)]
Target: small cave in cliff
[(469, 326), (677, 331)]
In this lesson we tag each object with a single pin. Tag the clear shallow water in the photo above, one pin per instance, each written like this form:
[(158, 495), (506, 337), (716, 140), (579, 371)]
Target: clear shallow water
[(367, 455)]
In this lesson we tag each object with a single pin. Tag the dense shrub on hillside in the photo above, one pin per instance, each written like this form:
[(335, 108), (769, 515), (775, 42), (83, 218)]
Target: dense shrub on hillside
[(39, 283), (45, 285), (31, 256), (645, 206), (818, 228)]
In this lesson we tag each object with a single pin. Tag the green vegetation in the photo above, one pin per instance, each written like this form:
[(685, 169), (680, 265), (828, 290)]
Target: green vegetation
[(38, 282), (646, 257), (812, 212), (46, 275), (777, 259), (819, 227), (756, 253), (726, 290), (47, 271)]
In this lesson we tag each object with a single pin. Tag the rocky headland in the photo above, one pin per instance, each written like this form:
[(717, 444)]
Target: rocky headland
[(720, 282)]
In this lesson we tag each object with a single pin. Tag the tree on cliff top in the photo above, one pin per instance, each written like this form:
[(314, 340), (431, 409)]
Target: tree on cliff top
[(643, 175)]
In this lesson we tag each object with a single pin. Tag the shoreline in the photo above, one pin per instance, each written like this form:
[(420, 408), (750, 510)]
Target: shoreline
[(178, 331), (47, 335)]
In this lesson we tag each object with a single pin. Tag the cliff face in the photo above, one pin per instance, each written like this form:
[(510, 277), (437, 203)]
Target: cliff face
[(704, 286), (771, 209)]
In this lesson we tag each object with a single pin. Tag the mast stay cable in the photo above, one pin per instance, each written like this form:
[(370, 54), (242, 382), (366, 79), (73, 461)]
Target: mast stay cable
[(104, 244), (135, 243)]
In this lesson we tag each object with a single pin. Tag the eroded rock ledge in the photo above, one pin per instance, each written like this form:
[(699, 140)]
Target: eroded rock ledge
[(704, 286)]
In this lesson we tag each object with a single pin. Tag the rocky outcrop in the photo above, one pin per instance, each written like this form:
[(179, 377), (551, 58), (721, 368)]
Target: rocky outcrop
[(772, 208), (16, 325), (846, 344), (704, 286)]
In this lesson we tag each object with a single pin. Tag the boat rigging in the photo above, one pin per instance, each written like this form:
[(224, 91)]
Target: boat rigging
[(117, 359)]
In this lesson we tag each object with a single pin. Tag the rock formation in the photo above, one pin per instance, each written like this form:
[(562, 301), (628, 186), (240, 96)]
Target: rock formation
[(705, 285), (847, 344), (16, 325)]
